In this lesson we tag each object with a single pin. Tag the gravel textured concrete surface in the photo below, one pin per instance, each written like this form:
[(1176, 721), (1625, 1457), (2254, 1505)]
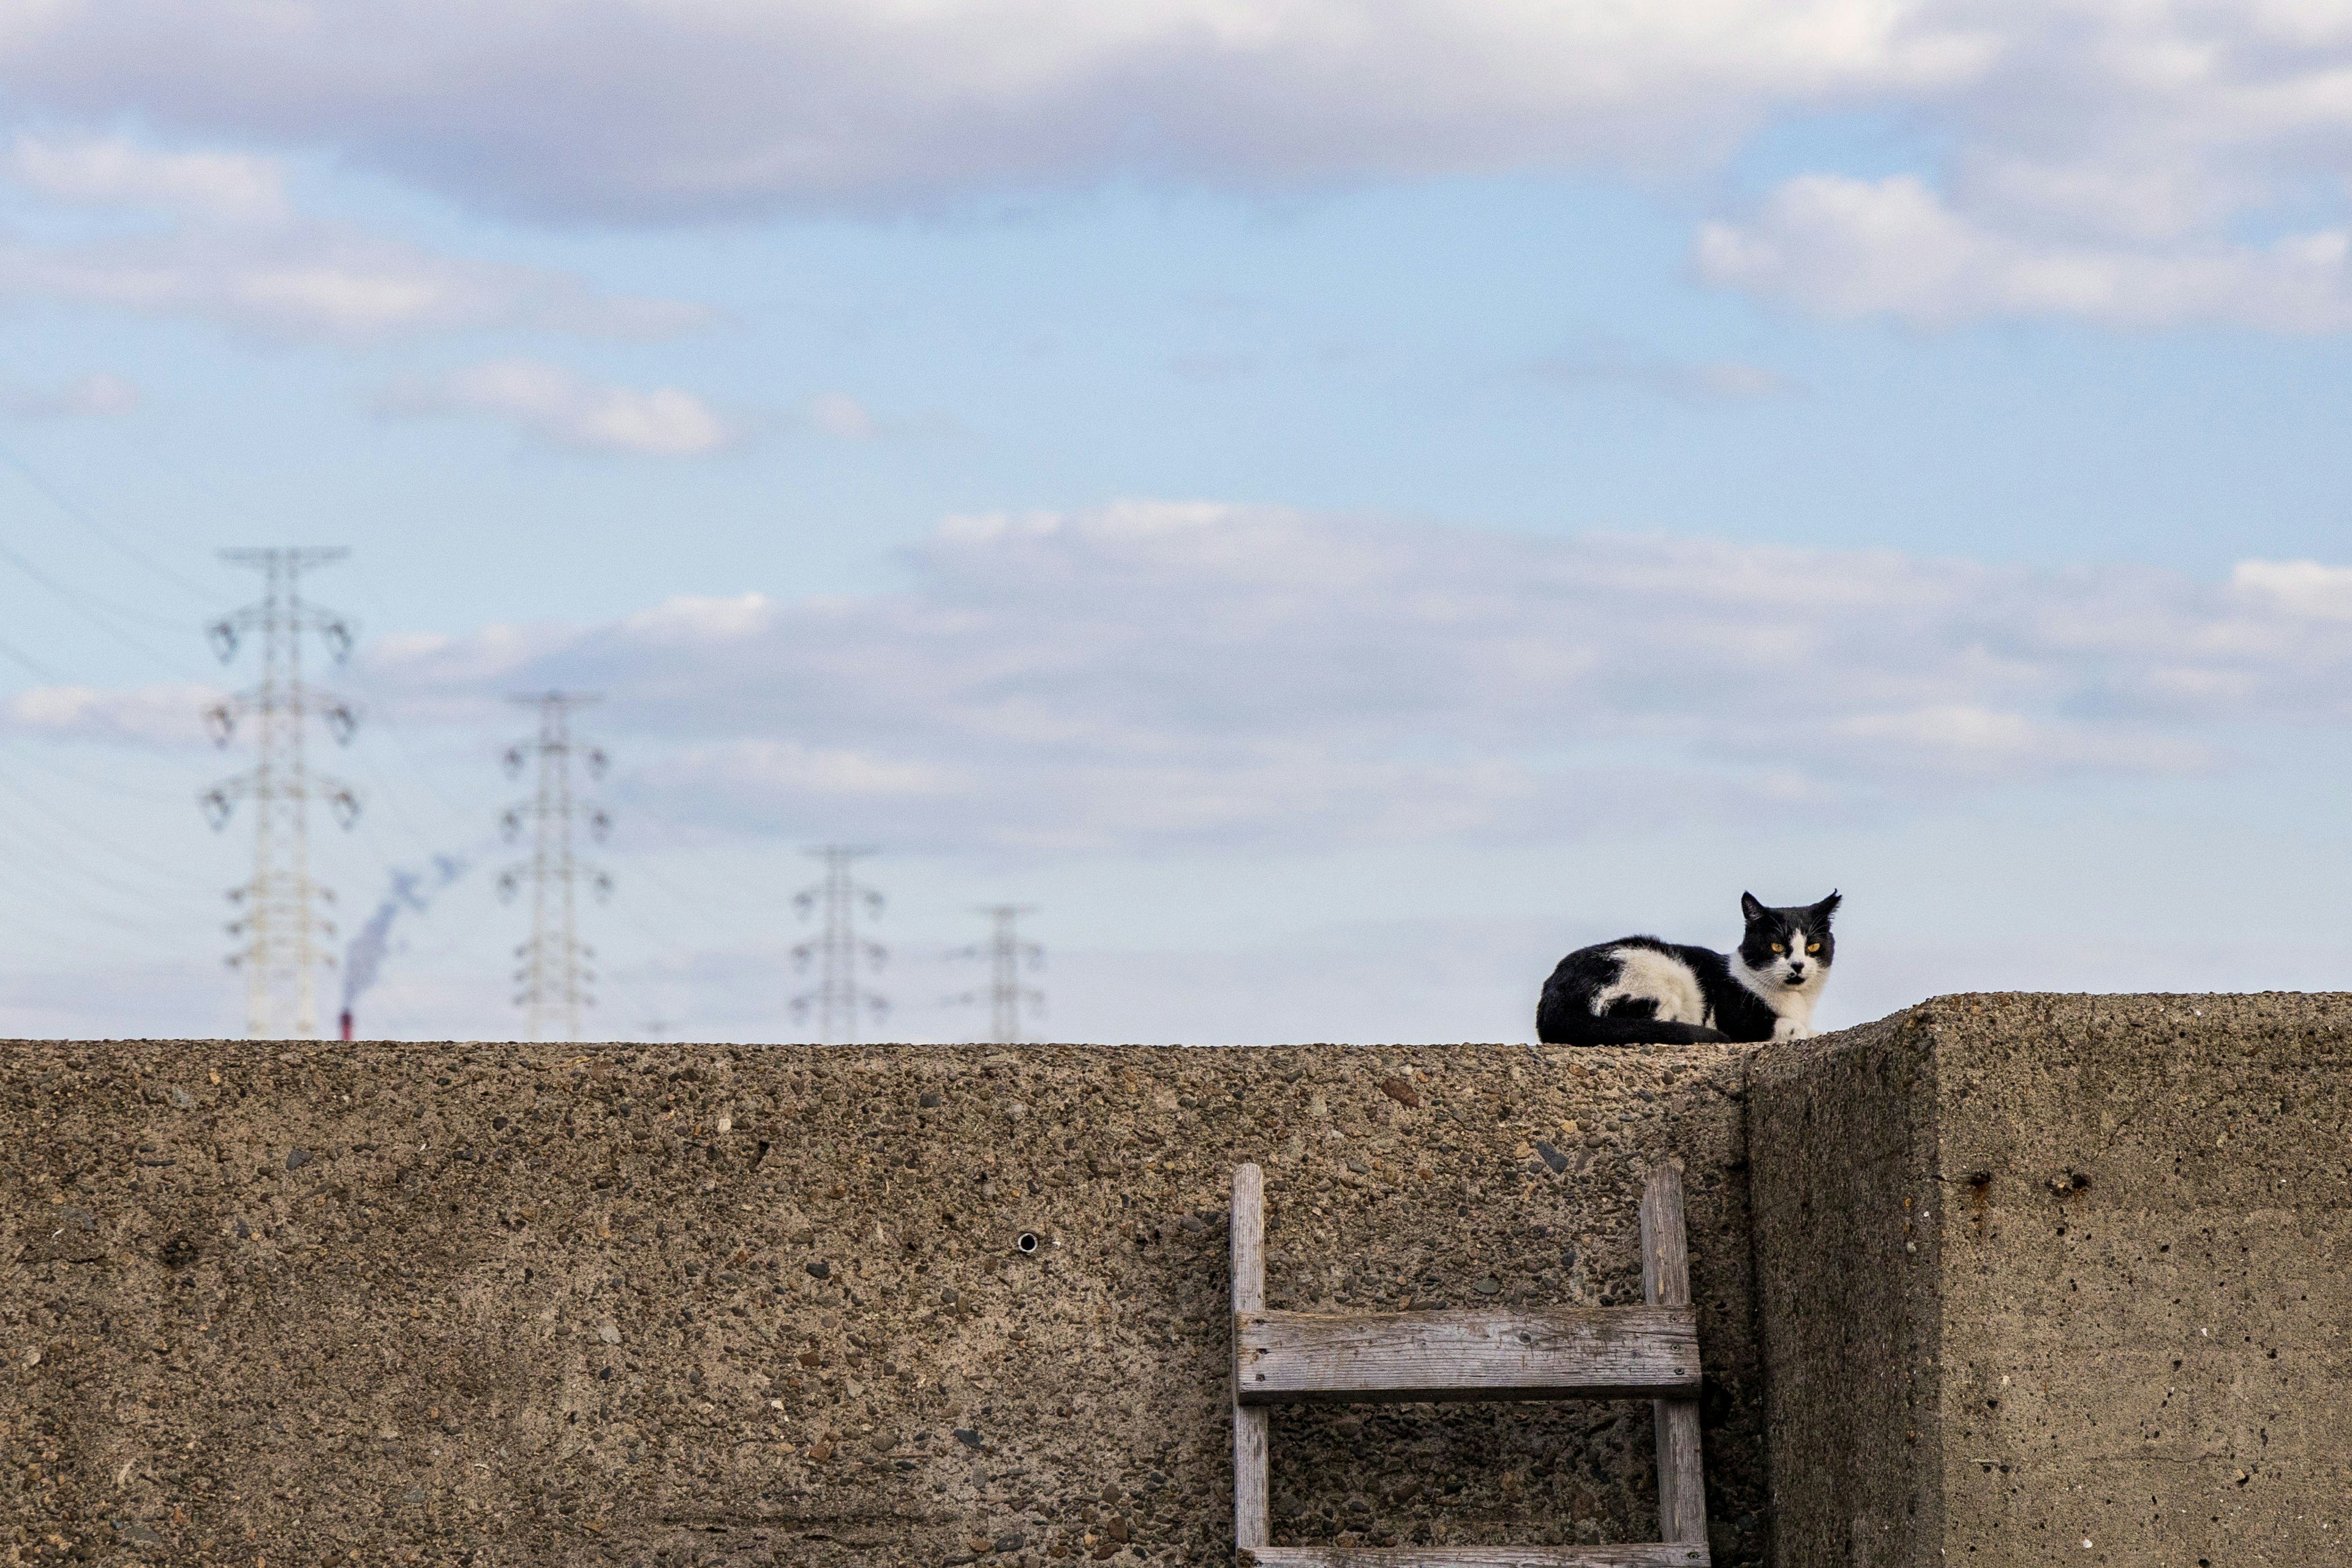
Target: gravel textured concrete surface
[(272, 1305), (2060, 1279)]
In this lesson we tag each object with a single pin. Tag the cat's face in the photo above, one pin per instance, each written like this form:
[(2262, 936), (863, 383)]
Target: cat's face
[(1790, 948)]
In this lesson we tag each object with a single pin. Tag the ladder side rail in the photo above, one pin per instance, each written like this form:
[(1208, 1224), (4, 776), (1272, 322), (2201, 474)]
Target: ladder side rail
[(1666, 1282), (1250, 1523)]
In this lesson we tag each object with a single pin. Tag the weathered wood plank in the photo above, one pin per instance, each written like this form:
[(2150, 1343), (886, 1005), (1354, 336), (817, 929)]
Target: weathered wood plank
[(1669, 1555), (1557, 1353), (1666, 1282), (1248, 1236)]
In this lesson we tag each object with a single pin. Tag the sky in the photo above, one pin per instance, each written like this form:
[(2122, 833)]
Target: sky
[(1332, 503)]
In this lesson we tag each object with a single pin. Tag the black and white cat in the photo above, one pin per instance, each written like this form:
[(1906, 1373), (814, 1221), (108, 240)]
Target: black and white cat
[(1639, 990)]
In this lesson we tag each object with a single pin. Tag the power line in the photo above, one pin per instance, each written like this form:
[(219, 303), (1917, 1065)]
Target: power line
[(110, 845), (380, 723), (88, 606), (279, 920), (1005, 953), (82, 780), (31, 666), (57, 499), (838, 999), (24, 865), (554, 975)]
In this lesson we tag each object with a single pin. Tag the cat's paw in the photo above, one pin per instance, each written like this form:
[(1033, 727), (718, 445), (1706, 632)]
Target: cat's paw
[(1790, 1029)]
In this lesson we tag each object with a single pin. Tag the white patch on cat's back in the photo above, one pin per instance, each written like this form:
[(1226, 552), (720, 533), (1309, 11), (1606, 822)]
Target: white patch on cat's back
[(1660, 977)]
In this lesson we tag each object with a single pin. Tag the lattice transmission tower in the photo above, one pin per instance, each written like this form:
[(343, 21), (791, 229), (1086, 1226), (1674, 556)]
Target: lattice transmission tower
[(1005, 953), (277, 915), (838, 1000), (554, 976)]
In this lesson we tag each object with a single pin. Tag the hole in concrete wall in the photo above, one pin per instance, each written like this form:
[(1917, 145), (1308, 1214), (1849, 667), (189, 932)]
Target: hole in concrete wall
[(1026, 1242)]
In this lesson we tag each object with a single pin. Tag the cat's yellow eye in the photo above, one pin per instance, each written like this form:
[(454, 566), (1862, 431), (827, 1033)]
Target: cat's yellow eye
[(1812, 947), (1778, 948)]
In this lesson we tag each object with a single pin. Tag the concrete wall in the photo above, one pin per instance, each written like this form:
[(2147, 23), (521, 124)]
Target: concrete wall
[(2037, 1280), (696, 1306), (2060, 1279)]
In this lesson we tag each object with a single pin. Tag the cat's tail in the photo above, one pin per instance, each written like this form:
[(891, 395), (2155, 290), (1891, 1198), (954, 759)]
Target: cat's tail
[(1584, 1029)]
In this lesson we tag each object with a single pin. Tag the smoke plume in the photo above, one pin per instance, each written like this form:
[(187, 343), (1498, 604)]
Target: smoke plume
[(414, 891)]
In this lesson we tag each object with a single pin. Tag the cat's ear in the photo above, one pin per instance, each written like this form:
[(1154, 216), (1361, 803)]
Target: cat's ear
[(1825, 909), (1749, 909)]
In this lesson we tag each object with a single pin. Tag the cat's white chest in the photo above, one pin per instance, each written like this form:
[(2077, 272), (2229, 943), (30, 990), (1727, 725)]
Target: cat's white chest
[(1792, 1005)]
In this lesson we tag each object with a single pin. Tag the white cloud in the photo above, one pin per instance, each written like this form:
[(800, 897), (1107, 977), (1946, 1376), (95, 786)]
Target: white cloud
[(1162, 674), (756, 768), (2103, 160), (2299, 587), (163, 715), (1962, 740), (1611, 363), (564, 408), (608, 106), (114, 171), (842, 417), (1860, 248), (93, 396), (234, 252), (317, 282)]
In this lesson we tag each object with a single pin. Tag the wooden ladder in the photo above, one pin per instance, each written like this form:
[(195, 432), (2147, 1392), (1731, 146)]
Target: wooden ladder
[(1557, 1353)]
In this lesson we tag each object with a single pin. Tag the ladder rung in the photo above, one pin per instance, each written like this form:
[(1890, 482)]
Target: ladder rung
[(1654, 1555), (1560, 1352)]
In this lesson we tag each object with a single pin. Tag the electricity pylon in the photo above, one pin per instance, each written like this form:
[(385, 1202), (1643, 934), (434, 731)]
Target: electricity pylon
[(554, 975), (276, 915), (1005, 952), (838, 999)]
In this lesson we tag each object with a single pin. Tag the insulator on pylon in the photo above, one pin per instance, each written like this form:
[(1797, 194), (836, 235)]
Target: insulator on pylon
[(222, 635)]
